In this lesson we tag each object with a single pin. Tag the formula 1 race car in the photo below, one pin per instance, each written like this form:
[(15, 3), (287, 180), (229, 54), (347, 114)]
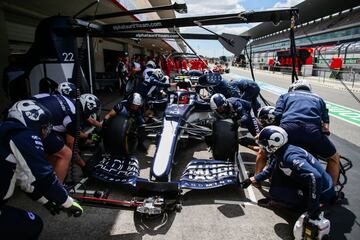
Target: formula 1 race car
[(187, 116)]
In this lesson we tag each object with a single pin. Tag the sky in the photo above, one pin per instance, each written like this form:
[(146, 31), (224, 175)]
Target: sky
[(212, 7)]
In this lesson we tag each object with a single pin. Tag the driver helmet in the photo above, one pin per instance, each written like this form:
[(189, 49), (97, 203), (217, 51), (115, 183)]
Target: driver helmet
[(67, 89), (271, 138), (32, 115), (183, 96), (218, 103), (158, 74), (150, 64), (266, 115), (301, 84), (90, 104)]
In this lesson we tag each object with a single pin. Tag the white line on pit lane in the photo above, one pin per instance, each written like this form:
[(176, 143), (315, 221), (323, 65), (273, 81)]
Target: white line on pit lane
[(243, 171)]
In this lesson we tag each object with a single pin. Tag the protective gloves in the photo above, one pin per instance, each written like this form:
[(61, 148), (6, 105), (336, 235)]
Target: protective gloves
[(74, 210), (52, 208), (246, 183), (94, 137)]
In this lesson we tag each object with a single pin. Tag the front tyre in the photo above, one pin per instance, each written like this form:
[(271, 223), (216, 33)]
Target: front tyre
[(224, 140)]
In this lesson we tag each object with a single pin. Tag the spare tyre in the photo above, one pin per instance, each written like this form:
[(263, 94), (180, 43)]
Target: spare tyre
[(120, 136), (224, 140)]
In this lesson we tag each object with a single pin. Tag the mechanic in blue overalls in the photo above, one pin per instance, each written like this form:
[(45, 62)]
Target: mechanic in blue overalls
[(22, 159), (68, 90), (249, 90), (305, 118), (133, 107), (63, 120), (149, 68), (235, 108), (153, 85), (224, 88), (297, 178)]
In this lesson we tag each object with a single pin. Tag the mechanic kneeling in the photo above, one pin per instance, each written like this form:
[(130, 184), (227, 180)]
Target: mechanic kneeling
[(133, 107), (236, 109), (297, 178), (21, 149)]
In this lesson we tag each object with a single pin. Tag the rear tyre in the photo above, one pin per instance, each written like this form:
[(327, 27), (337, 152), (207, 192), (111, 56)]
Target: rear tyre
[(224, 140)]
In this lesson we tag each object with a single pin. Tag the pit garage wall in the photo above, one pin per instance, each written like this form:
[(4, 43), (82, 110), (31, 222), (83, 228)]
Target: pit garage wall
[(3, 56)]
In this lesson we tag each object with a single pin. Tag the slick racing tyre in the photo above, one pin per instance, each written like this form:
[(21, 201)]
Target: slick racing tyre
[(224, 140), (120, 137)]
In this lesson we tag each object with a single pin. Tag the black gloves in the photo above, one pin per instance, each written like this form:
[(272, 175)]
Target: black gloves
[(74, 210), (52, 208), (246, 183)]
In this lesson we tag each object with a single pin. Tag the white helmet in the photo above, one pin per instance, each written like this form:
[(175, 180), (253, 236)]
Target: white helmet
[(301, 84), (272, 138), (90, 104), (218, 100), (136, 99), (150, 64), (31, 114), (158, 73), (67, 89)]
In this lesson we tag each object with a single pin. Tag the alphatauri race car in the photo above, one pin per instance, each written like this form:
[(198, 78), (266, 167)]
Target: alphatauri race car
[(187, 116)]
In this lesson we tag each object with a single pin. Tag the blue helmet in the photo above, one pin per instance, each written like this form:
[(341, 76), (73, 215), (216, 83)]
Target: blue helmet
[(266, 115), (31, 114), (67, 89), (271, 138)]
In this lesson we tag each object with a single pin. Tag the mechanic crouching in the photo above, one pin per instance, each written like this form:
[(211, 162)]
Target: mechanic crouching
[(224, 88), (249, 90), (58, 144), (305, 118), (297, 178), (22, 159), (153, 85), (236, 109), (133, 107)]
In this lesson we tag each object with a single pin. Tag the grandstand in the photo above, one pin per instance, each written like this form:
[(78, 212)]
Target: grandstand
[(332, 34)]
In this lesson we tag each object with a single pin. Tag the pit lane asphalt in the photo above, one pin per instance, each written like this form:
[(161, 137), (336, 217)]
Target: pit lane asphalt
[(211, 214)]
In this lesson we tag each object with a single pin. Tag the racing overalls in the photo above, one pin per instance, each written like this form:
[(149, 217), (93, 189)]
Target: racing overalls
[(147, 73), (225, 89), (239, 110), (298, 179), (249, 90), (63, 120), (22, 159), (122, 108), (301, 114), (150, 87)]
